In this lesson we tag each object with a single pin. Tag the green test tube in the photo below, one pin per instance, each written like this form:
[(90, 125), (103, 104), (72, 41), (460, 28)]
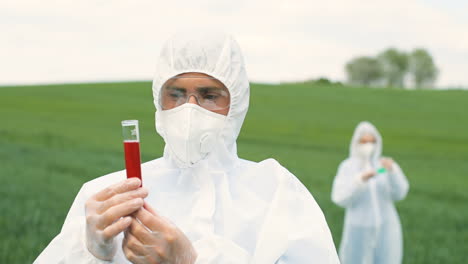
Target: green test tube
[(381, 170)]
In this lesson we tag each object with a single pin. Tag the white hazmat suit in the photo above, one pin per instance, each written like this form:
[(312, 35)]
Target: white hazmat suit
[(232, 210), (372, 231)]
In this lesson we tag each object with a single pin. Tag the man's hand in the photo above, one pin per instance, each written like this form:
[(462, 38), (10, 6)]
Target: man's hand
[(387, 163), (153, 239), (368, 174), (107, 214)]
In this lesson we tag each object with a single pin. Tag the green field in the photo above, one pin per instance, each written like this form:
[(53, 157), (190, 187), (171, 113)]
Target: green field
[(55, 138)]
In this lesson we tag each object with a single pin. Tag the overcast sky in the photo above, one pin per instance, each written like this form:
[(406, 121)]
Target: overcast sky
[(48, 41)]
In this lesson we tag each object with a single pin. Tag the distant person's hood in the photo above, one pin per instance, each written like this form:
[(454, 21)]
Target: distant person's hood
[(362, 128)]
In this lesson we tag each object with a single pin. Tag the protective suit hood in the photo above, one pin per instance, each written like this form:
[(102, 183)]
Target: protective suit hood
[(217, 55), (362, 128)]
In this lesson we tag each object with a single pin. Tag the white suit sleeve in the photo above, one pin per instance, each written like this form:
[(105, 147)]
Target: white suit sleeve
[(398, 183), (309, 238), (346, 186), (69, 246)]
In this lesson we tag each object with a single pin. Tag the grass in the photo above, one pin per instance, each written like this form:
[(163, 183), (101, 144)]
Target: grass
[(54, 138)]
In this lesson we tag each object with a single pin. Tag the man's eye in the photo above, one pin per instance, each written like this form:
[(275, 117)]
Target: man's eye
[(211, 96), (175, 95)]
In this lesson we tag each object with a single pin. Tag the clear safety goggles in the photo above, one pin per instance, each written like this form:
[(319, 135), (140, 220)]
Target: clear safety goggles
[(208, 92)]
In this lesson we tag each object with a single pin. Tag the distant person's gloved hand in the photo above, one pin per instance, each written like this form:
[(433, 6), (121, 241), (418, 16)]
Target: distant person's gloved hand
[(387, 163), (152, 238), (366, 175), (107, 214)]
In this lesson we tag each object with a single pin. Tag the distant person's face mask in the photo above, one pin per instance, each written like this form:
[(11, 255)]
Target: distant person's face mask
[(191, 132), (365, 150)]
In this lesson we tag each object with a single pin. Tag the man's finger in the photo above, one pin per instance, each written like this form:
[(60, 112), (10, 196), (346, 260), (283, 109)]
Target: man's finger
[(120, 210), (132, 256), (121, 198), (134, 244), (143, 234), (120, 187), (150, 209), (151, 221), (117, 227)]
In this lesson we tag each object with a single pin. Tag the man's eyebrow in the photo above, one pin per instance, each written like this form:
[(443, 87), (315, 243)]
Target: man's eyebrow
[(172, 87), (209, 88)]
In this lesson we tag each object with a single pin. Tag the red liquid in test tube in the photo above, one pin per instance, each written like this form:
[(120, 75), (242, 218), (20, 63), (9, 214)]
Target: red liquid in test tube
[(131, 137)]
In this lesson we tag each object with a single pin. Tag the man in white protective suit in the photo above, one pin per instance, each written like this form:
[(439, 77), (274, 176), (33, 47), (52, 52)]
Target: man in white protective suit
[(367, 185), (199, 203)]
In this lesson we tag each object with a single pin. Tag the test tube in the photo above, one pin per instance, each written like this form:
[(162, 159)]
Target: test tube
[(131, 140), (382, 170)]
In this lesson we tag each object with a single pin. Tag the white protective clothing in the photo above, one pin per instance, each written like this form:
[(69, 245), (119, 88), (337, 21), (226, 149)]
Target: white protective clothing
[(372, 231), (232, 210)]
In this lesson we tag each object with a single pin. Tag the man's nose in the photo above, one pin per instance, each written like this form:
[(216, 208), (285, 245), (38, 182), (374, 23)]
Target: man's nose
[(193, 100)]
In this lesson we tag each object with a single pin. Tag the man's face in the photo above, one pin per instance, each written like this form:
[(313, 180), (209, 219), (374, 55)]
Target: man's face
[(196, 88), (367, 138)]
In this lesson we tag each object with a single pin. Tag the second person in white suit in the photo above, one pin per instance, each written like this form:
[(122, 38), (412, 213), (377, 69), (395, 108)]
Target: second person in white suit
[(367, 186)]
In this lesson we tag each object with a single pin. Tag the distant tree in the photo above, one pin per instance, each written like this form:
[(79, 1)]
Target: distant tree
[(394, 65), (363, 71), (323, 81), (422, 68)]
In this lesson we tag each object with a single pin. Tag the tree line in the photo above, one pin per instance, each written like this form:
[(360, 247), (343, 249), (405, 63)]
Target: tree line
[(393, 68)]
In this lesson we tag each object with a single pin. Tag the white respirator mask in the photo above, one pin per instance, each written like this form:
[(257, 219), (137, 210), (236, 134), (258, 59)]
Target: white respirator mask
[(191, 132), (366, 150)]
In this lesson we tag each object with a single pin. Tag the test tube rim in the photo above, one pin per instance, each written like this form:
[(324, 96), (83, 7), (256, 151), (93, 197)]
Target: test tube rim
[(129, 122)]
